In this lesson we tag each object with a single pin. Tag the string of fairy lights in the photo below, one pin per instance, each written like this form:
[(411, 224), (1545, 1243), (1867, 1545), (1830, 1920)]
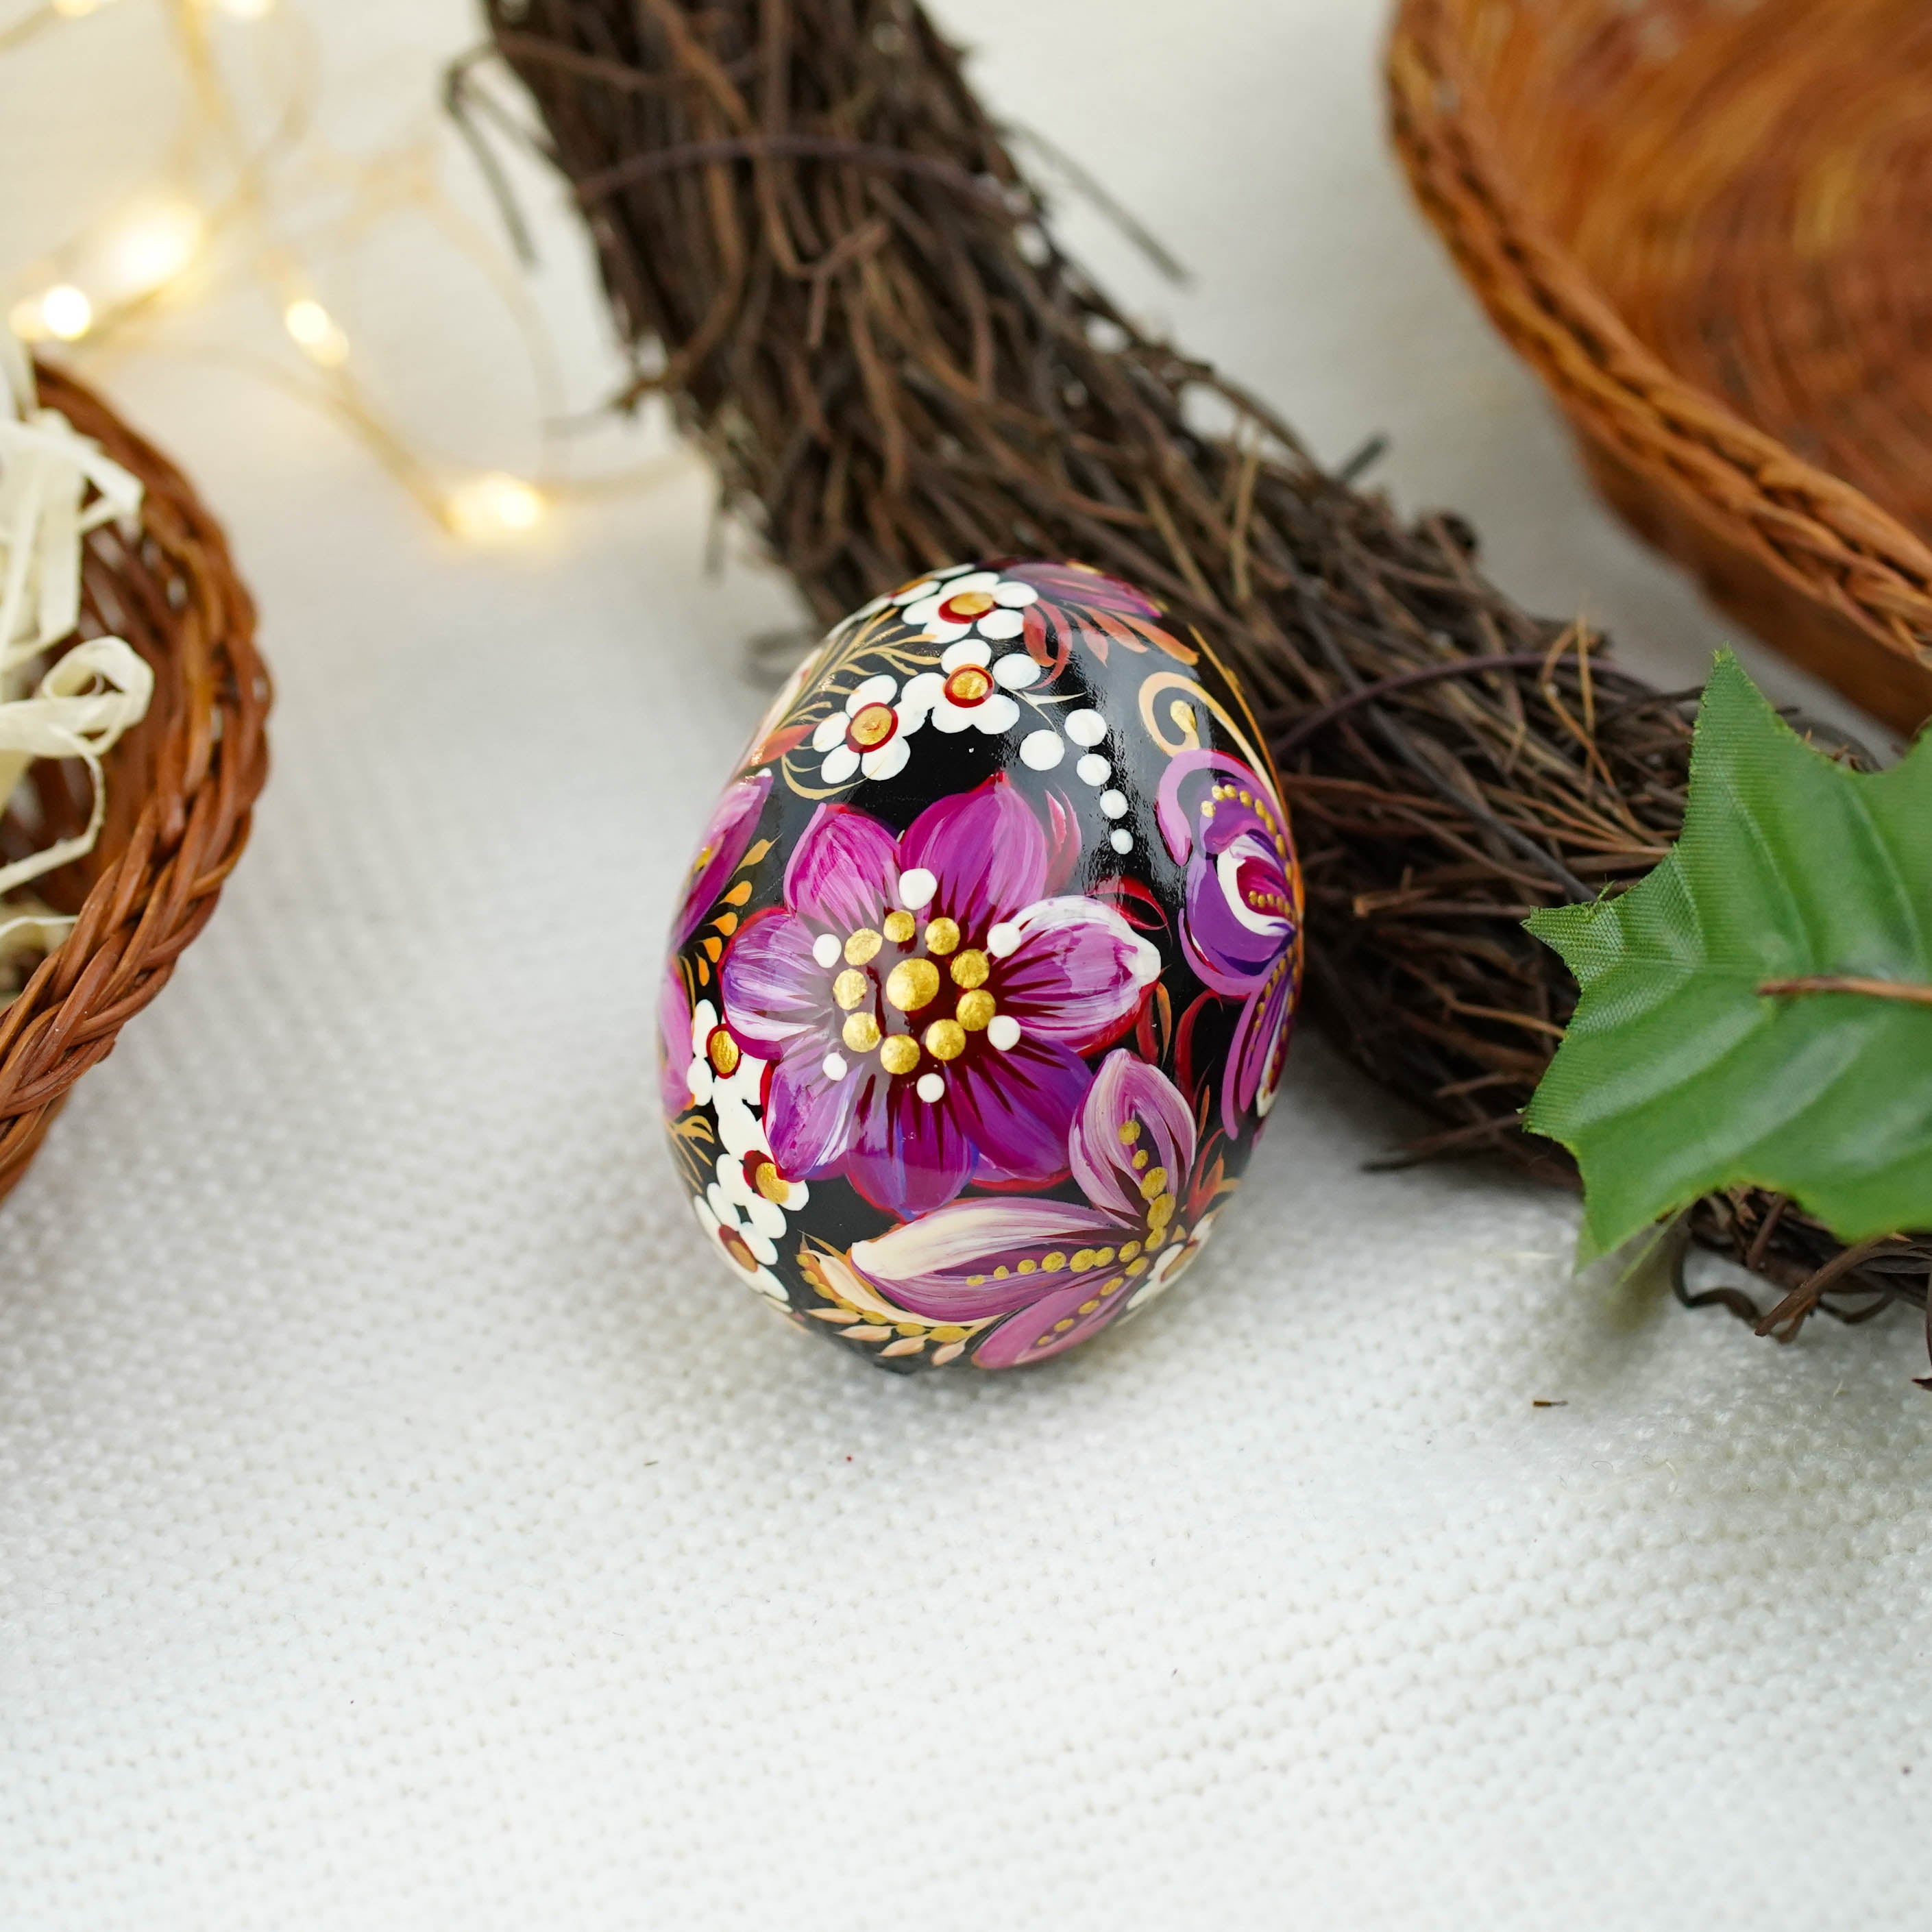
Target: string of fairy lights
[(234, 199)]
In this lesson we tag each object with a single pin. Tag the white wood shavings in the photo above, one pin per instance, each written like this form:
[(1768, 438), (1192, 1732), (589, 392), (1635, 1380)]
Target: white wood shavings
[(55, 487)]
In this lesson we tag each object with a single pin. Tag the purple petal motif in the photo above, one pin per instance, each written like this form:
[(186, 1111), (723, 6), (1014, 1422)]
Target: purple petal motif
[(924, 1048), (1077, 976), (1057, 1270), (1055, 1322), (673, 1040), (1016, 1108), (1240, 927), (1242, 908), (810, 1121), (844, 871), (726, 838), (1134, 1124), (773, 986), (908, 1156), (1259, 1047), (978, 1259), (987, 849)]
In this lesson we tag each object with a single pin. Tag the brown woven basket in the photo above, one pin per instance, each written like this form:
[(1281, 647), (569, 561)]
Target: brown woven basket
[(180, 785), (1702, 222)]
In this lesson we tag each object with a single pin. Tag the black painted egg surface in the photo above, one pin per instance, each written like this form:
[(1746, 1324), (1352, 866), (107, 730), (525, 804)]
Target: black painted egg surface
[(982, 978)]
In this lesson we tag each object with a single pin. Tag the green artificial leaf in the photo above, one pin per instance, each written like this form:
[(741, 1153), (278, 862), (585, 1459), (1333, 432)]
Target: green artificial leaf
[(1758, 1009)]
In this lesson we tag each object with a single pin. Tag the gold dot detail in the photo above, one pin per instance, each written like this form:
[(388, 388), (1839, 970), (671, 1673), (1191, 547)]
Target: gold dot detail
[(900, 926), (1130, 1132), (1153, 1182), (942, 936), (946, 1039), (861, 1033), (1054, 1262), (968, 685), (900, 1054), (722, 1050), (912, 984), (970, 968), (850, 987), (976, 1010), (1083, 1258), (863, 945)]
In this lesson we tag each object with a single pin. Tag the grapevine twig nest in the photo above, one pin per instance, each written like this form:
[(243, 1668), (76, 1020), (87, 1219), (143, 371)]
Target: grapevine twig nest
[(820, 250), (180, 783)]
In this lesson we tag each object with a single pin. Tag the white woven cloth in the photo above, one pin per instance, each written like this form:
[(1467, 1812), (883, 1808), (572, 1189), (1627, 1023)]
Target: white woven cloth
[(403, 1525)]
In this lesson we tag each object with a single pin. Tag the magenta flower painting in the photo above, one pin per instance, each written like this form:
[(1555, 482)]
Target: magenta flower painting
[(726, 838), (1241, 926), (981, 982), (930, 999), (1052, 1272)]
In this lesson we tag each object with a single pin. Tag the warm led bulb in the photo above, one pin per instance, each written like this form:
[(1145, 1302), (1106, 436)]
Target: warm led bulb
[(155, 249), (493, 505), (66, 312), (315, 332), (245, 10), (73, 9)]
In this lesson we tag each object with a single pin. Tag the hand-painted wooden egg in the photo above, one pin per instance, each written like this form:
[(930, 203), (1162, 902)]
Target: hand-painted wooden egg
[(983, 976)]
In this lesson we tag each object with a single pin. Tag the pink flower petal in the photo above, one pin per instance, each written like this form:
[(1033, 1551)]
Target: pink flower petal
[(944, 1265), (727, 837), (987, 849), (773, 987), (1128, 1093), (811, 1120), (1015, 1108), (1030, 1337), (908, 1156), (844, 871), (673, 1041), (1078, 974)]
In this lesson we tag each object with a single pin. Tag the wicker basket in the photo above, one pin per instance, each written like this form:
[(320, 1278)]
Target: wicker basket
[(180, 785), (1702, 222)]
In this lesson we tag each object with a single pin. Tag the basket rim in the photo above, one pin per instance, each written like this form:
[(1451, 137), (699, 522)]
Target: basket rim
[(1818, 533), (152, 898)]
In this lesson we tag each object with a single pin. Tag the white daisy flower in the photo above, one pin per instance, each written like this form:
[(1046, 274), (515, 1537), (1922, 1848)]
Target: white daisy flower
[(869, 735), (752, 1183), (722, 1073), (970, 688), (748, 1251), (959, 604)]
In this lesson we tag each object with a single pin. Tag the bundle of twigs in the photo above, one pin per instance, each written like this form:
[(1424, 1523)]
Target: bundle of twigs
[(821, 249)]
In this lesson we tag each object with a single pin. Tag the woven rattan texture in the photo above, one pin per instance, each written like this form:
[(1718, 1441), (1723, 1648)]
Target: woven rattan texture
[(181, 784), (1700, 222)]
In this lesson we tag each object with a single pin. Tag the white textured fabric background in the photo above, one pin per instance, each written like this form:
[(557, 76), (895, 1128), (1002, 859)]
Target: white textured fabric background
[(403, 1524)]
